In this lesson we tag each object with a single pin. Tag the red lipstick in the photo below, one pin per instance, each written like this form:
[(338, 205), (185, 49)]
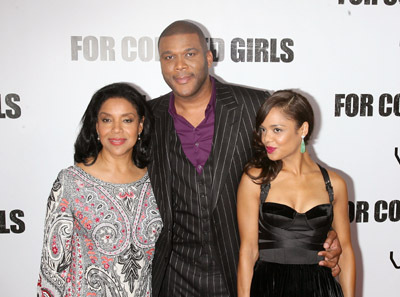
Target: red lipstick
[(270, 149)]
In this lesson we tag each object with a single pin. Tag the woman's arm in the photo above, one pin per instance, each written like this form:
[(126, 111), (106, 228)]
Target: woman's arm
[(341, 224), (57, 247), (248, 203)]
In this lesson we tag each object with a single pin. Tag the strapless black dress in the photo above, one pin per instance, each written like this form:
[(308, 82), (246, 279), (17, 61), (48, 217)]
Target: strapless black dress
[(289, 242)]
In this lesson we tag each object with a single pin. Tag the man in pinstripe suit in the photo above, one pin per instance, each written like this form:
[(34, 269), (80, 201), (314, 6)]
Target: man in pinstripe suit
[(202, 140)]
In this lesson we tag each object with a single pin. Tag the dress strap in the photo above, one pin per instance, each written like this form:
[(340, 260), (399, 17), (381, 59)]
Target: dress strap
[(327, 182), (264, 192)]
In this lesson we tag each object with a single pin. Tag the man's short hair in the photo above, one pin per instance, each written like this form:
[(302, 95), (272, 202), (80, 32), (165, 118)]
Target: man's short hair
[(184, 27)]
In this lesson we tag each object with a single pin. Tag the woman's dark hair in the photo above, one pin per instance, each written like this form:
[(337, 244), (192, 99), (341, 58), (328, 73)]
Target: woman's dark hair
[(296, 107), (87, 147)]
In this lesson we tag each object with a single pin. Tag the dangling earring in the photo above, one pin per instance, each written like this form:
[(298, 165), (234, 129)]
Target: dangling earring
[(98, 137), (138, 138), (303, 145)]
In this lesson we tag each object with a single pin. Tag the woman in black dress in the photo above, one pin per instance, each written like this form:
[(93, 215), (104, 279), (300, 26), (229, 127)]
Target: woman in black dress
[(285, 208)]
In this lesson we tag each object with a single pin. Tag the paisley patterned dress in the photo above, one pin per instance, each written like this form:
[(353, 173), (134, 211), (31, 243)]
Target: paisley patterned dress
[(99, 237)]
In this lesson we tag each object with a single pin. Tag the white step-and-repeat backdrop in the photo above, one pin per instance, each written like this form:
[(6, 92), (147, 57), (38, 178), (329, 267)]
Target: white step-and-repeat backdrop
[(345, 54)]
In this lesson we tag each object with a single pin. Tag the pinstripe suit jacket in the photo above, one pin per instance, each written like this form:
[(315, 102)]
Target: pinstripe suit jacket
[(235, 112)]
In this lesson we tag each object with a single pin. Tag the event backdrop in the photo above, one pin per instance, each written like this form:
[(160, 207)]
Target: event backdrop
[(343, 54)]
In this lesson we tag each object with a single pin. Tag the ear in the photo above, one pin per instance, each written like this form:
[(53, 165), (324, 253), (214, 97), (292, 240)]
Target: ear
[(304, 129), (210, 58), (97, 127), (141, 124)]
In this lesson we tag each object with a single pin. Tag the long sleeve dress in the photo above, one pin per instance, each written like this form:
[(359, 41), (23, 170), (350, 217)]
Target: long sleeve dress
[(99, 237)]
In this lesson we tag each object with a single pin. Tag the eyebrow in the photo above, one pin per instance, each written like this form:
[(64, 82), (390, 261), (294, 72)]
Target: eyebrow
[(185, 50), (276, 125), (191, 49), (124, 114)]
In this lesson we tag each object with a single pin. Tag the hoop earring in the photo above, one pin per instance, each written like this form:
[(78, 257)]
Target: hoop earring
[(302, 146)]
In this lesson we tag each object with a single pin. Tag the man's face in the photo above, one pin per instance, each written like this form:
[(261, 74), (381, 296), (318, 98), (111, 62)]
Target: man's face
[(184, 64)]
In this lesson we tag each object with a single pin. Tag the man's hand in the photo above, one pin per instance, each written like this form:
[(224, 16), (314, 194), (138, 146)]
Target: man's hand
[(332, 252)]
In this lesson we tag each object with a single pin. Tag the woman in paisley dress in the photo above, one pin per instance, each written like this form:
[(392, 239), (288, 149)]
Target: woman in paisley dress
[(285, 208), (102, 220)]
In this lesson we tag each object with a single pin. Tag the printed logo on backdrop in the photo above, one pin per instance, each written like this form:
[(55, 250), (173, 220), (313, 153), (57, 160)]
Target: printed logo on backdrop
[(103, 48), (366, 105), (262, 50), (369, 2), (381, 211), (129, 49), (12, 222), (391, 257), (9, 108)]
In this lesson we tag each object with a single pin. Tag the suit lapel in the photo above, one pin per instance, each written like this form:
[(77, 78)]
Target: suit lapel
[(228, 115), (160, 169)]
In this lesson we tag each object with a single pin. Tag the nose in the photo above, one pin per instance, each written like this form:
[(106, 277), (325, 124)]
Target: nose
[(180, 63), (266, 137), (116, 127)]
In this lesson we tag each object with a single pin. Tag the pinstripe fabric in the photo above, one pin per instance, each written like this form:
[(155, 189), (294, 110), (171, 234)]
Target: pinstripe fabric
[(234, 120), (191, 195), (192, 270)]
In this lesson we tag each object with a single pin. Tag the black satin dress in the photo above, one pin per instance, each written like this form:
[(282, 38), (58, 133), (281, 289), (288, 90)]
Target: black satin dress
[(289, 242)]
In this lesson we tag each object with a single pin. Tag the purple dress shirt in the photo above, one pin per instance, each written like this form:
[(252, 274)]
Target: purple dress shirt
[(196, 141)]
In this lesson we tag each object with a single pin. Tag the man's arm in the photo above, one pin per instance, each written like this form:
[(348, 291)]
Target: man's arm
[(332, 252)]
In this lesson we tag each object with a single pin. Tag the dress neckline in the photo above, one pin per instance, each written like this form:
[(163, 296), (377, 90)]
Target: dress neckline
[(102, 182), (294, 210), (266, 187)]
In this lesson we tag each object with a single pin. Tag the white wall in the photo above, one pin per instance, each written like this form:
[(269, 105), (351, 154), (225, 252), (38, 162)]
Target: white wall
[(49, 61)]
